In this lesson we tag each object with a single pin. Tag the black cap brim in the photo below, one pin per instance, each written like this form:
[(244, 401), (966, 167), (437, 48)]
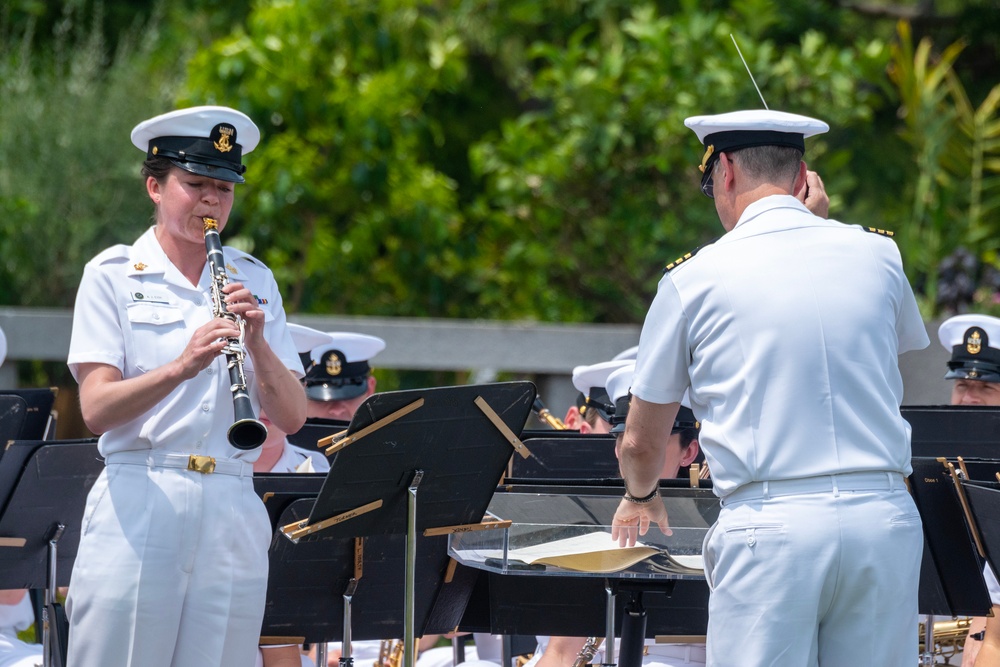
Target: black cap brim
[(219, 173), (332, 392), (983, 372)]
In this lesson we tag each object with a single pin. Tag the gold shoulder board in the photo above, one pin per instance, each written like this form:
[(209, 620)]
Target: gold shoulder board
[(685, 257), (883, 232)]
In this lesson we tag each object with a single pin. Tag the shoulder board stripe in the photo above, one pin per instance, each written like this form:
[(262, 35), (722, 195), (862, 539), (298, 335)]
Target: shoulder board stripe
[(679, 260), (883, 232), (683, 258)]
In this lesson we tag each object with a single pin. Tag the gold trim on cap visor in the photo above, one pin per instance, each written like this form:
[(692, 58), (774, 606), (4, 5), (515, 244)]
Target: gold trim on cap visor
[(704, 160)]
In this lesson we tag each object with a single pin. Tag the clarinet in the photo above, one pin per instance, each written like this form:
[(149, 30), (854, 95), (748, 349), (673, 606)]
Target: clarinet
[(247, 432), (547, 417)]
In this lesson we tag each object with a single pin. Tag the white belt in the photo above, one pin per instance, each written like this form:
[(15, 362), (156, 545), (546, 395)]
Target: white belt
[(850, 481), (193, 462), (686, 652)]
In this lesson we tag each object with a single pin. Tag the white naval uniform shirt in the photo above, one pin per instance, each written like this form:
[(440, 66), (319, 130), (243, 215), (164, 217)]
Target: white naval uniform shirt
[(135, 311), (293, 457), (787, 330)]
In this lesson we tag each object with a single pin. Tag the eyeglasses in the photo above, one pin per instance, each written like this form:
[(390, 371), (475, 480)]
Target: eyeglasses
[(708, 188)]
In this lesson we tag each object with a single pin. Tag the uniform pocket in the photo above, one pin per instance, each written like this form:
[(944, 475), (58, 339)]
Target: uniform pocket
[(158, 333)]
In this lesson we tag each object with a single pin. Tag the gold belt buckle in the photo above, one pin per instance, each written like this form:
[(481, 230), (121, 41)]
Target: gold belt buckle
[(203, 464)]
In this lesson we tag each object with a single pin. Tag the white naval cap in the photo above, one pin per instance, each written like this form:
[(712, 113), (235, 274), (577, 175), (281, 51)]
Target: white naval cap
[(619, 387), (589, 380), (973, 356), (629, 354), (306, 338), (744, 129), (206, 140), (337, 365), (3, 347)]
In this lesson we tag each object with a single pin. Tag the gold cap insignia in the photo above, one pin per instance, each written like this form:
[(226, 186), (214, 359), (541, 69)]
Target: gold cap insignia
[(974, 342), (139, 266), (223, 145), (704, 160), (333, 365)]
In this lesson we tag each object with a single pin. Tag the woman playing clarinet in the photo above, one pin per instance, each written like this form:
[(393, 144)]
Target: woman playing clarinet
[(172, 564)]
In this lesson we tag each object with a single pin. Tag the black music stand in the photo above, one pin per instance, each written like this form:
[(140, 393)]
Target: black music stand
[(315, 430), (12, 413), (40, 523), (971, 431), (984, 506), (306, 582), (38, 404), (441, 450), (955, 567), (560, 457)]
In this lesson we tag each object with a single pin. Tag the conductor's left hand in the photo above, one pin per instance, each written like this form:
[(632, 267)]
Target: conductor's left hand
[(633, 519)]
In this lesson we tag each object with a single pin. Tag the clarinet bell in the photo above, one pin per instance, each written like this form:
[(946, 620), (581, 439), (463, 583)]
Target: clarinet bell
[(247, 434)]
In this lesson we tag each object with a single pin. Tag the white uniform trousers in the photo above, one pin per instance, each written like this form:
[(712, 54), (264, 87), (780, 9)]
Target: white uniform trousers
[(16, 653), (822, 571), (171, 570)]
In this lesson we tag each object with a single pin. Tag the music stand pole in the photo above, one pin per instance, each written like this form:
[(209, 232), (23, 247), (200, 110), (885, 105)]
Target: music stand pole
[(346, 656), (927, 657), (609, 625), (50, 596), (409, 582)]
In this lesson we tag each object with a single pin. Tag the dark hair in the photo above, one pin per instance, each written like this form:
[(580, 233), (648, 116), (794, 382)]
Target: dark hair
[(773, 164), (157, 167), (688, 435)]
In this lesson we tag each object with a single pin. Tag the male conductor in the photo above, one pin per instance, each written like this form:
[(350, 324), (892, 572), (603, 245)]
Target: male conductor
[(787, 331)]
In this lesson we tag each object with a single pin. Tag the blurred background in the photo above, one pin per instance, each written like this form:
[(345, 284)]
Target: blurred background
[(517, 168)]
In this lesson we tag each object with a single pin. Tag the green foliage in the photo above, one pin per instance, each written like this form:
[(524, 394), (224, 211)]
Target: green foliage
[(564, 192), (344, 200), (67, 184), (956, 190)]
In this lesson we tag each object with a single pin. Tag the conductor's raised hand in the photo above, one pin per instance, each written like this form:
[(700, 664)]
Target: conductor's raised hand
[(632, 520), (813, 195)]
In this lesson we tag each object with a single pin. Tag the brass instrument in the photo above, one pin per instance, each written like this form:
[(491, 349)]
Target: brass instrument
[(948, 637), (544, 415), (247, 432), (588, 651), (390, 653)]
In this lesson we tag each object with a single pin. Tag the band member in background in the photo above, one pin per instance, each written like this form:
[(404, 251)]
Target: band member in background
[(786, 332), (172, 563), (681, 450), (594, 414), (974, 344), (338, 376)]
